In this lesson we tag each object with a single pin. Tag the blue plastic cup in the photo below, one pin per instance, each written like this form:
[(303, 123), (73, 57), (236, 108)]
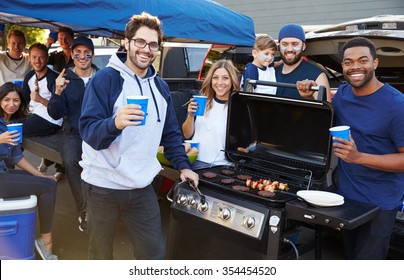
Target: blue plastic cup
[(18, 82), (193, 143), (13, 127), (139, 100), (201, 100), (340, 131)]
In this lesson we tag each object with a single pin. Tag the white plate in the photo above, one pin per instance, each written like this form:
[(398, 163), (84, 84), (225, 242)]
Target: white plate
[(325, 204), (321, 198)]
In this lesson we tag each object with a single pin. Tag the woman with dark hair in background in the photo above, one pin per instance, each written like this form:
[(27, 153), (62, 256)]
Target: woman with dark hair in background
[(28, 181)]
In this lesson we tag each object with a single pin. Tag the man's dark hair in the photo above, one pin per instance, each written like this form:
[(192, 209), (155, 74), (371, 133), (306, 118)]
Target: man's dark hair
[(39, 46), (67, 30), (360, 42), (144, 19)]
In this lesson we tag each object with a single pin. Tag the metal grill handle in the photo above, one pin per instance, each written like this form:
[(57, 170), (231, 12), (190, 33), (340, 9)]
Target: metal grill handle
[(169, 195), (249, 87)]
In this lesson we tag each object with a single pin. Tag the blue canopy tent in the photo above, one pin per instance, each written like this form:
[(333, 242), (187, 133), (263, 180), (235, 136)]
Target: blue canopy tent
[(191, 20)]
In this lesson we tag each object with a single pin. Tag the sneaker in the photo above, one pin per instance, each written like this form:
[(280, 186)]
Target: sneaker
[(59, 176), (83, 221), (42, 167), (45, 255)]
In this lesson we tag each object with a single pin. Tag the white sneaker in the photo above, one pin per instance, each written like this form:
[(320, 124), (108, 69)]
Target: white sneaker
[(83, 221), (59, 175), (45, 255)]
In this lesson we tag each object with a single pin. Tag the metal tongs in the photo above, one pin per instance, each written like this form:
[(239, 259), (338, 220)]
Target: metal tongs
[(201, 196), (191, 184)]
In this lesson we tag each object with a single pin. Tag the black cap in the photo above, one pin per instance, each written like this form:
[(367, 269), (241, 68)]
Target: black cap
[(81, 40)]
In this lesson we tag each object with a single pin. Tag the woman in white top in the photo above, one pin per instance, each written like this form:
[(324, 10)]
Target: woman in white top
[(210, 129)]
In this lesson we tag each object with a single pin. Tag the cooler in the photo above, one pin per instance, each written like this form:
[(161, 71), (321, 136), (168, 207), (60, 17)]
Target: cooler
[(17, 228)]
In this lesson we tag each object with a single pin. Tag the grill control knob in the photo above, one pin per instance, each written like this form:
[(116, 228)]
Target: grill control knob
[(225, 213), (192, 202), (204, 207), (182, 199), (248, 222)]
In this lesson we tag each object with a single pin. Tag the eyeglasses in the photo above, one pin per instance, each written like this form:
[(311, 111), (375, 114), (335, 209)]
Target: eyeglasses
[(140, 43)]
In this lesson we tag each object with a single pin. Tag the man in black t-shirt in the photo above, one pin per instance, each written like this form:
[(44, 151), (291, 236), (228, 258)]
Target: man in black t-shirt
[(61, 59), (294, 68)]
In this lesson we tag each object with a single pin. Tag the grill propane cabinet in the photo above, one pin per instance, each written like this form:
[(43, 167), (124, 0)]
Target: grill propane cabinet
[(278, 146)]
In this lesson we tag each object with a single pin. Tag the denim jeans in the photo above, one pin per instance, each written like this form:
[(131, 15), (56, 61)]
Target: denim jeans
[(35, 125), (371, 240), (140, 213), (17, 183), (70, 152)]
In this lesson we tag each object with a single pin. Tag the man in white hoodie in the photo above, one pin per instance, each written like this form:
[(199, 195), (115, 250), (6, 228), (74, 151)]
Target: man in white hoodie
[(119, 156)]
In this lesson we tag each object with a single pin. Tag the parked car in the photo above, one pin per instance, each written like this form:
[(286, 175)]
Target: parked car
[(179, 64), (386, 32), (240, 56), (102, 55)]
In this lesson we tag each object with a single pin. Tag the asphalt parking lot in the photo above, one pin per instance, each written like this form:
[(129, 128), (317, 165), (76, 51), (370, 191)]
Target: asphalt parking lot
[(69, 243)]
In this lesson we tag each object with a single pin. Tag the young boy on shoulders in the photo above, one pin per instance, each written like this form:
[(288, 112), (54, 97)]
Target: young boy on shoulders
[(262, 67)]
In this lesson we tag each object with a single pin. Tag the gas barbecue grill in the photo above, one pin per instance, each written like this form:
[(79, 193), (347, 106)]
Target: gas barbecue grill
[(270, 138)]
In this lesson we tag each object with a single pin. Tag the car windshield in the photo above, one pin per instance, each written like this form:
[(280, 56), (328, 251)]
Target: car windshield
[(240, 56)]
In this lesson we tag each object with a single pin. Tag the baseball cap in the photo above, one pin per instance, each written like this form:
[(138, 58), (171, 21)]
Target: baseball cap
[(81, 40), (292, 31)]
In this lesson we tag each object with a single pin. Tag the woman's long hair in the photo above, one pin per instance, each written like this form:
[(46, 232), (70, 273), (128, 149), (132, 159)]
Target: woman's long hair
[(207, 89), (22, 112)]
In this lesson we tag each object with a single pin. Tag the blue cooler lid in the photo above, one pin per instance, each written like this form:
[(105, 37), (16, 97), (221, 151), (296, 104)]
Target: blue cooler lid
[(18, 203)]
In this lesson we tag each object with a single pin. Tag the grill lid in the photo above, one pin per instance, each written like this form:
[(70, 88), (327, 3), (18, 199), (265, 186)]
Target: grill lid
[(269, 132)]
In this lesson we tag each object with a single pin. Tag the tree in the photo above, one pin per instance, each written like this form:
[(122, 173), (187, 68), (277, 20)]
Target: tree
[(32, 35)]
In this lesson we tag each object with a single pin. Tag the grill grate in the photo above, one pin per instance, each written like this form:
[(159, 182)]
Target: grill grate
[(278, 201), (279, 166)]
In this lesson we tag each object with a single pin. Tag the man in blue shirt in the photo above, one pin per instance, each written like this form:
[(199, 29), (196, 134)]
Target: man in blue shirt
[(66, 102), (371, 163)]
